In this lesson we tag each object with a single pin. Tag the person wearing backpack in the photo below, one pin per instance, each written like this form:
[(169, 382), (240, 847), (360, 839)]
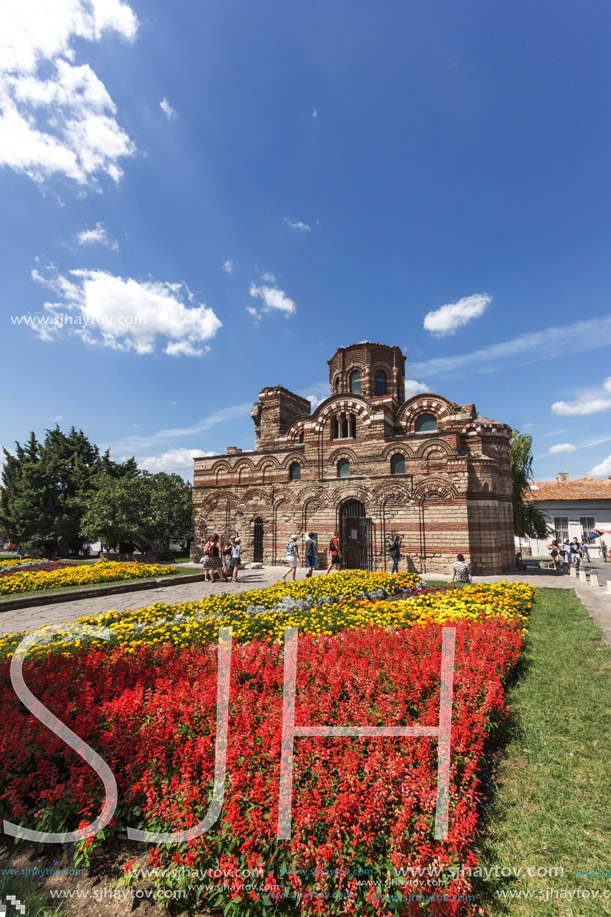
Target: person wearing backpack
[(394, 549), (334, 552), (292, 557)]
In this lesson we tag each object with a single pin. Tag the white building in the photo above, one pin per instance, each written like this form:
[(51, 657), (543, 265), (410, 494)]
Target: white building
[(572, 508)]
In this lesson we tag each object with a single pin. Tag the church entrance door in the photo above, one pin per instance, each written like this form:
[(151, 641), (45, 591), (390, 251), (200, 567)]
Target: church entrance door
[(353, 534)]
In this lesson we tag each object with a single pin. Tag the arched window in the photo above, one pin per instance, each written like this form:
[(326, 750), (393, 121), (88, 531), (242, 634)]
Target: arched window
[(355, 382), (301, 438), (336, 385), (426, 423), (343, 426), (397, 464), (343, 468), (380, 386), (295, 472)]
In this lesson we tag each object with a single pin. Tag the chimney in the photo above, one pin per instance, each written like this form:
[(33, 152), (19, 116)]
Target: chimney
[(563, 476)]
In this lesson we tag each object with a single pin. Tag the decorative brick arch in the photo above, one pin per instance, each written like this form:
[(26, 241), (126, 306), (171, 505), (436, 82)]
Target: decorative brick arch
[(244, 469), (256, 494), (351, 404), (315, 493), (355, 492), (438, 487), (393, 448), (391, 491), (295, 430), (288, 460), (426, 403), (342, 452), (436, 445), (221, 469)]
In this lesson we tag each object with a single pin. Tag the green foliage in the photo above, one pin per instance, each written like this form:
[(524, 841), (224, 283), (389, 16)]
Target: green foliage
[(528, 520), (148, 510), (46, 487)]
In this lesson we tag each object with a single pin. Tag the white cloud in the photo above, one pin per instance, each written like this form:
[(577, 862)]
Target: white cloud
[(303, 227), (273, 298), (603, 470), (592, 402), (448, 318), (268, 277), (136, 445), (228, 266), (126, 314), (527, 348), (174, 460), (316, 393), (528, 425), (97, 235), (57, 117), (412, 387), (587, 405), (561, 447), (315, 113), (165, 106)]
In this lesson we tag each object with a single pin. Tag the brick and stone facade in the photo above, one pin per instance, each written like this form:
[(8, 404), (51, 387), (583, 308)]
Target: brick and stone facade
[(365, 463)]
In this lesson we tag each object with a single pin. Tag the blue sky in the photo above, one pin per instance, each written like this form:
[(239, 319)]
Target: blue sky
[(202, 199)]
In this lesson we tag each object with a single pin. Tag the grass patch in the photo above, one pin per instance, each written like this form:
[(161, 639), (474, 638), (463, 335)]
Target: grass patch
[(549, 805)]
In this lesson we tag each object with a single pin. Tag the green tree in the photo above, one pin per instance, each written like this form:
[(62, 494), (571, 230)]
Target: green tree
[(148, 510), (528, 520), (25, 505), (46, 487)]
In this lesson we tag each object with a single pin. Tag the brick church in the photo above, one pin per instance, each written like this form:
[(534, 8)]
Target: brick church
[(366, 462)]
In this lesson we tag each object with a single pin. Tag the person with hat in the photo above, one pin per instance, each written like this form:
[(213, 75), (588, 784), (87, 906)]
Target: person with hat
[(292, 557)]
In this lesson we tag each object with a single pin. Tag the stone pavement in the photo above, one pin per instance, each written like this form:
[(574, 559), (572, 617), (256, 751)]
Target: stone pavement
[(62, 612), (597, 601)]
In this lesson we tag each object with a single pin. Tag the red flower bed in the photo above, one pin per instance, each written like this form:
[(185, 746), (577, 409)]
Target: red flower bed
[(362, 808), (37, 567)]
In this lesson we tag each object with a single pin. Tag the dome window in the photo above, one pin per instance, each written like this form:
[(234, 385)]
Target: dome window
[(426, 423), (380, 382)]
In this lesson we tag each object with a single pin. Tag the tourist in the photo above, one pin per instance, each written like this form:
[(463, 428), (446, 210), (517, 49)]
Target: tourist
[(310, 553), (584, 551), (394, 549), (212, 560), (555, 553), (227, 557), (604, 552), (236, 558), (576, 553), (334, 552), (565, 553), (292, 557), (519, 563), (461, 572)]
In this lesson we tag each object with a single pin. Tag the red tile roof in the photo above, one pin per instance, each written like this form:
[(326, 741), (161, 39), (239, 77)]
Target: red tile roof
[(580, 489)]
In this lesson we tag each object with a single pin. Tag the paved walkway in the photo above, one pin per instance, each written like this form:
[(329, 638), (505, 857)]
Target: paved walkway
[(597, 601)]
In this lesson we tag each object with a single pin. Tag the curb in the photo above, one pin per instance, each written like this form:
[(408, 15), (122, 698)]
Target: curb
[(54, 598)]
